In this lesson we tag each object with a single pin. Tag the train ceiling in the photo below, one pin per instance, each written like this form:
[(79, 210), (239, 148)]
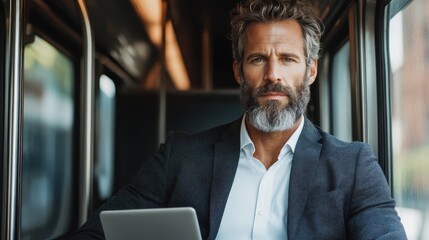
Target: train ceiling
[(120, 33)]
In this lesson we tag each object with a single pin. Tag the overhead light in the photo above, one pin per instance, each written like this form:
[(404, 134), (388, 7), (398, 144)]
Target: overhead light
[(150, 12)]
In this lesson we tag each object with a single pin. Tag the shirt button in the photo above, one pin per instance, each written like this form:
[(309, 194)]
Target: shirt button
[(261, 212)]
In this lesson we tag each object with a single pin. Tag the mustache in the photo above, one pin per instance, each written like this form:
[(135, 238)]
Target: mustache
[(274, 87)]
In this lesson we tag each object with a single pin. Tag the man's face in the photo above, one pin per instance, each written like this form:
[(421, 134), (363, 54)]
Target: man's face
[(275, 78)]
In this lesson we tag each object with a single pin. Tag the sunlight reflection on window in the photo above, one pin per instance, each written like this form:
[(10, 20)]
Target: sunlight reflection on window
[(47, 141), (106, 137), (341, 94)]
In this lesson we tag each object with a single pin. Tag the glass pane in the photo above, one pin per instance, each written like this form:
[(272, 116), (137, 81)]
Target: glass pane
[(341, 94), (105, 139), (409, 61), (47, 142)]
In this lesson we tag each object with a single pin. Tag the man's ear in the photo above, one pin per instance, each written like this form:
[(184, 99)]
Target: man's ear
[(237, 72), (313, 72)]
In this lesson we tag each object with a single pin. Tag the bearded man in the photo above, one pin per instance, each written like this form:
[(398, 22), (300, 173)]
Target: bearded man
[(271, 174)]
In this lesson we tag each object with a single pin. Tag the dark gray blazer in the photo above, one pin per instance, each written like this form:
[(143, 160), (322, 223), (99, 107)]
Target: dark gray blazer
[(337, 189)]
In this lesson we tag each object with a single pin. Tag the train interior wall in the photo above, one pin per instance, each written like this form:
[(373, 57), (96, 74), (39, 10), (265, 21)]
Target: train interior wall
[(137, 122)]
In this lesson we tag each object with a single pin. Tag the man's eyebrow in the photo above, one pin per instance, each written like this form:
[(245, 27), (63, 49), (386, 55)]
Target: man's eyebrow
[(282, 54), (290, 54)]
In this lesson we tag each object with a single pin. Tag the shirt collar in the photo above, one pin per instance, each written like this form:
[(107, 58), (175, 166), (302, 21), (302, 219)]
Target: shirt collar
[(245, 140), (294, 138)]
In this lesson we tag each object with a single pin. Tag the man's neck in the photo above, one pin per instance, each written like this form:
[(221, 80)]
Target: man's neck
[(269, 145)]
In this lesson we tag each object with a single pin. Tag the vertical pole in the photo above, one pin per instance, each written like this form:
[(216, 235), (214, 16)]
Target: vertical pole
[(207, 74), (11, 192), (163, 81), (87, 120)]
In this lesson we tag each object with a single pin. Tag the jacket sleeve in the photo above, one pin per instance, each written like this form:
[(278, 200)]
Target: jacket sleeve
[(146, 190), (372, 209)]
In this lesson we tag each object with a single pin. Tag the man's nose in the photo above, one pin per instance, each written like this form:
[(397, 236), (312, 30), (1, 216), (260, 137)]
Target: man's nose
[(272, 71)]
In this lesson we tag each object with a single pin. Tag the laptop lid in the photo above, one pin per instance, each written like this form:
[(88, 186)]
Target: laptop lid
[(151, 224)]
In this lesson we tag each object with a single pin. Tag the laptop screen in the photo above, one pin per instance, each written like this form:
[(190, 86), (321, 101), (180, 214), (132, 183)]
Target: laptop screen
[(151, 224)]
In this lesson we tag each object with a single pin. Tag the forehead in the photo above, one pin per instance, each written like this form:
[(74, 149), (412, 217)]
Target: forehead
[(285, 34)]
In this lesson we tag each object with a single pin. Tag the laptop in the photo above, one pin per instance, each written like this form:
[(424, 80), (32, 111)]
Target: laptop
[(151, 224)]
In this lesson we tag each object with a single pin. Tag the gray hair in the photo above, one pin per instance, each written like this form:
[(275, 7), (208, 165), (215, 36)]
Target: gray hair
[(265, 11)]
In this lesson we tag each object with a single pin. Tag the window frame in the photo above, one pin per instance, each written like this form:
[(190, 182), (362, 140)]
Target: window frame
[(343, 29), (44, 22), (2, 88), (383, 92)]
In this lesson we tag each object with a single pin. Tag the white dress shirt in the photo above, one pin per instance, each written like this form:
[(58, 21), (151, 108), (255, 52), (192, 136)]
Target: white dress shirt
[(257, 204)]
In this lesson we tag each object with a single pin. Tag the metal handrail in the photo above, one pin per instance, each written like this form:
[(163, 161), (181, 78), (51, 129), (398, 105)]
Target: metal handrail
[(162, 105), (87, 143), (10, 225)]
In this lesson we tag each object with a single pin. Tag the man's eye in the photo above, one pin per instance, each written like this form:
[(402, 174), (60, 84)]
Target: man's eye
[(257, 60), (288, 60)]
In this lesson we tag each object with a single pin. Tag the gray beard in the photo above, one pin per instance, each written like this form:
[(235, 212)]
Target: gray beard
[(271, 117)]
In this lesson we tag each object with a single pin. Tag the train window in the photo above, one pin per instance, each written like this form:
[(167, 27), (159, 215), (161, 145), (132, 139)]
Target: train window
[(105, 137), (341, 94), (409, 66), (47, 141)]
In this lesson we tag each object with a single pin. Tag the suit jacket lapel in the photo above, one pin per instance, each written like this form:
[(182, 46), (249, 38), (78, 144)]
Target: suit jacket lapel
[(304, 164), (225, 162)]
